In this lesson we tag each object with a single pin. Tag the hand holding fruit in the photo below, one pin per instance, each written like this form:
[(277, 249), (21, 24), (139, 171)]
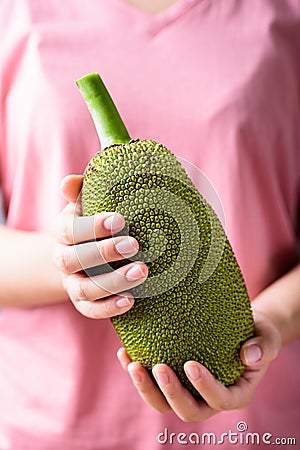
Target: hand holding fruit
[(84, 242), (169, 394)]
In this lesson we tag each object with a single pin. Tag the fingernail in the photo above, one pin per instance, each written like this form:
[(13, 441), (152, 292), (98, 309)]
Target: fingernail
[(136, 272), (162, 377), (193, 371), (123, 302), (115, 222), (127, 246), (253, 354)]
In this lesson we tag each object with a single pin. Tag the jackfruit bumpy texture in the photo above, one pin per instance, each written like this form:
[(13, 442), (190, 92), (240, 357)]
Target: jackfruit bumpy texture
[(194, 304)]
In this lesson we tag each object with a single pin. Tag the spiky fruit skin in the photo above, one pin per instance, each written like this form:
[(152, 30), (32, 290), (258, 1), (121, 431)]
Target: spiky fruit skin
[(194, 304)]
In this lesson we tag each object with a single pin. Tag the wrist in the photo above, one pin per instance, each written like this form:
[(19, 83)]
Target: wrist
[(280, 304), (262, 311)]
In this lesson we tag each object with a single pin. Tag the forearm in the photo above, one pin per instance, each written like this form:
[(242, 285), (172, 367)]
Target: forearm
[(28, 276), (281, 303)]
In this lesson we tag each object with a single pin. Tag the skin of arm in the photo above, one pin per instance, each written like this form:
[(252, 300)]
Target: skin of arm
[(28, 275), (281, 303)]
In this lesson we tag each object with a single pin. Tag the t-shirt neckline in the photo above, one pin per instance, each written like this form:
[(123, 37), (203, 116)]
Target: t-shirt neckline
[(163, 18)]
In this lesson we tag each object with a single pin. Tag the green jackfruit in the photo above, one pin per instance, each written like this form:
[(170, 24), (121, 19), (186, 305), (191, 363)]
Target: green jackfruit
[(194, 304)]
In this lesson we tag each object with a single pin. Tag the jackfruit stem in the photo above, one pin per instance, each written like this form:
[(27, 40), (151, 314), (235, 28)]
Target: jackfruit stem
[(107, 120)]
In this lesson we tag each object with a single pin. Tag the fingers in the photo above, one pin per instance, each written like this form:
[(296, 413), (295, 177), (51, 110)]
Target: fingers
[(70, 187), (182, 402), (93, 296), (256, 354), (123, 358), (83, 243), (144, 384), (168, 394), (146, 387), (72, 230), (83, 288), (106, 308), (74, 258), (217, 396)]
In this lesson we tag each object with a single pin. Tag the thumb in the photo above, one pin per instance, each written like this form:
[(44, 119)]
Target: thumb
[(264, 347), (70, 187)]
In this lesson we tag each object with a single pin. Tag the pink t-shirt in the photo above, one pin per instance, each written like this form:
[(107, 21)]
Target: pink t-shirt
[(218, 83)]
